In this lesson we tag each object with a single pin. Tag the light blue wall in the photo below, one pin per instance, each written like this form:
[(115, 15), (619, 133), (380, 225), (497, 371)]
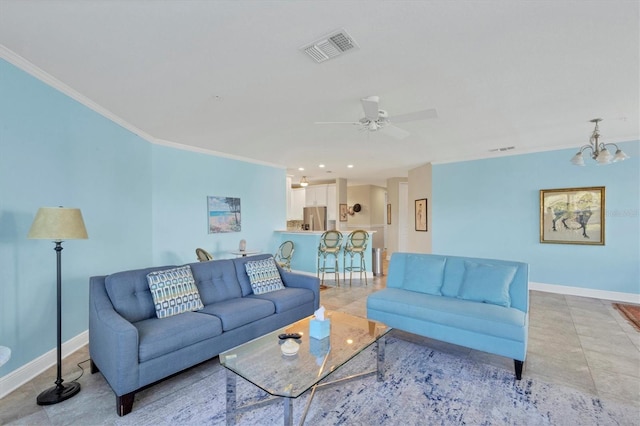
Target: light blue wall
[(182, 182), (490, 208), (142, 204)]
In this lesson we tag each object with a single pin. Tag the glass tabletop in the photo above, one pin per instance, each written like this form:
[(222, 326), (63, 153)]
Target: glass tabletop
[(262, 362)]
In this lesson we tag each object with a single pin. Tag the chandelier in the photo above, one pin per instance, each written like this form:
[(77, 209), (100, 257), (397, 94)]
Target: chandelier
[(599, 151)]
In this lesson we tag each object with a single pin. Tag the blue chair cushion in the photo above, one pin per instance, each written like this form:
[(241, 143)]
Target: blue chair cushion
[(217, 280), (423, 273), (235, 313), (487, 283), (287, 298), (158, 337), (484, 318)]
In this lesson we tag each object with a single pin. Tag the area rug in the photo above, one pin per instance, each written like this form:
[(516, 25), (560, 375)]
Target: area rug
[(630, 312), (422, 387)]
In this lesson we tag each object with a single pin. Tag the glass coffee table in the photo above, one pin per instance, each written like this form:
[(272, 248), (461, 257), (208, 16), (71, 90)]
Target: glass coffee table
[(262, 362)]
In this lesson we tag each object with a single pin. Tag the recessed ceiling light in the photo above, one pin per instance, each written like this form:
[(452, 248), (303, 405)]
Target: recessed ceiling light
[(350, 166), (301, 169), (321, 165)]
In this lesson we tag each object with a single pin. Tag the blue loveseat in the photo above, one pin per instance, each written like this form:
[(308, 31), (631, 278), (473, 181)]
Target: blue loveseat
[(481, 304), (132, 347)]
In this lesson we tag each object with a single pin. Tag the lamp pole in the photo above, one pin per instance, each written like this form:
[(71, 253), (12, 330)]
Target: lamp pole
[(59, 392)]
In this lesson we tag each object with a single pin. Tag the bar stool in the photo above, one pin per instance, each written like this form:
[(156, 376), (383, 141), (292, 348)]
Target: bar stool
[(284, 254), (356, 244), (330, 244), (203, 255)]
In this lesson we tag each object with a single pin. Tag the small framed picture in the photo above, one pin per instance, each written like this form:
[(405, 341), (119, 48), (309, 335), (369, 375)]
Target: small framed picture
[(421, 214), (343, 212), (388, 214), (572, 216)]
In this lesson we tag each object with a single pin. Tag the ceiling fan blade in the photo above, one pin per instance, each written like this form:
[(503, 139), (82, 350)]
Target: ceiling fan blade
[(425, 114), (394, 132), (370, 106)]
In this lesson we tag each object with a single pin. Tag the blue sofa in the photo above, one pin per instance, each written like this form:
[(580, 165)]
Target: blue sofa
[(478, 303), (133, 348)]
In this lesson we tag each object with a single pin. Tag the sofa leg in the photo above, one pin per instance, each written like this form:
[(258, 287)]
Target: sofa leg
[(518, 365), (94, 367), (124, 403)]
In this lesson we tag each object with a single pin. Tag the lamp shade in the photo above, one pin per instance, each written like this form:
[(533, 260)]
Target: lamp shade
[(58, 224), (577, 159)]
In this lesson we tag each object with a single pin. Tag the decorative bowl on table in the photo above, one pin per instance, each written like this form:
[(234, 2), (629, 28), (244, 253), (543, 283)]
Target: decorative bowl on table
[(289, 347)]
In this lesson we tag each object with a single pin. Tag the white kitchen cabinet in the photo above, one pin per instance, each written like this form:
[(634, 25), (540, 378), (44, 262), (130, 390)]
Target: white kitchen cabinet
[(332, 206), (296, 204), (316, 195)]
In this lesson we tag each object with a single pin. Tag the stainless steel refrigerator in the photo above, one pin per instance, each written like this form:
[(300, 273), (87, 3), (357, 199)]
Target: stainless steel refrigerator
[(316, 218)]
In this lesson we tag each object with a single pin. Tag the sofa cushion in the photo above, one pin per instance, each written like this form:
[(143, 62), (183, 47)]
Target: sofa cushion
[(241, 271), (237, 312), (483, 318), (487, 283), (424, 273), (264, 276), (130, 295), (174, 291), (216, 280), (287, 298), (159, 337)]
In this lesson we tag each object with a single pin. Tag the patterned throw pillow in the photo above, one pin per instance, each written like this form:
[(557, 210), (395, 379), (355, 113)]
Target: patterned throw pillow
[(264, 276), (174, 291)]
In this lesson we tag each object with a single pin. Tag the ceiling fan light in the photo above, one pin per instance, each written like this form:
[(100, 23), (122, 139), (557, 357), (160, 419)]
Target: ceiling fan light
[(604, 157), (578, 159), (373, 126), (304, 182), (619, 156)]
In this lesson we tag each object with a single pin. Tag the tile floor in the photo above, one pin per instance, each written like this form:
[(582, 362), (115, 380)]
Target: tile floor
[(580, 342)]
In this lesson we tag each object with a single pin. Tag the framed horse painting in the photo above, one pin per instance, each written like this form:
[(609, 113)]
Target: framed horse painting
[(572, 216)]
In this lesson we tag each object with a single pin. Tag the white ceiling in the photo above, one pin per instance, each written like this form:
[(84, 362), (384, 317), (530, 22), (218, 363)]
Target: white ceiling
[(228, 76)]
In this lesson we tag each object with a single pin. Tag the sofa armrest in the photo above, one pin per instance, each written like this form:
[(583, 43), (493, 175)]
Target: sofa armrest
[(113, 341), (294, 279)]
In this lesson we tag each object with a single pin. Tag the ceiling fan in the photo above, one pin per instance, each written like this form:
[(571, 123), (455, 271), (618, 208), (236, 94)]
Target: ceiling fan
[(376, 119)]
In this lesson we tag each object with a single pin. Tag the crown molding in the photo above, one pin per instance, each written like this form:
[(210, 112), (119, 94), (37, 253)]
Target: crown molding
[(37, 72), (50, 80), (200, 150)]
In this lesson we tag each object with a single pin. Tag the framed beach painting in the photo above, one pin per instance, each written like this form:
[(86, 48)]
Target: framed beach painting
[(572, 215), (223, 214), (421, 214)]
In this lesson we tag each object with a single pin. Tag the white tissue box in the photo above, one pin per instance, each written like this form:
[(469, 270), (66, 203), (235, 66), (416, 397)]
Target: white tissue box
[(319, 329)]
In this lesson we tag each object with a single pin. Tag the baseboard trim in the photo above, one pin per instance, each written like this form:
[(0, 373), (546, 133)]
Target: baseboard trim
[(27, 372), (586, 292)]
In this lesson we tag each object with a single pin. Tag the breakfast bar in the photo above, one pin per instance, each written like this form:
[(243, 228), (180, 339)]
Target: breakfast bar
[(305, 257)]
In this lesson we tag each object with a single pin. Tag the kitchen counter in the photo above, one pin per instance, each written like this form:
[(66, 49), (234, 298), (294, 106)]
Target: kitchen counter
[(305, 255), (301, 232)]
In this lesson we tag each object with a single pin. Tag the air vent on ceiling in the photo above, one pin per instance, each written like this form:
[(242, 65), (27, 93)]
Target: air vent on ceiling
[(330, 46)]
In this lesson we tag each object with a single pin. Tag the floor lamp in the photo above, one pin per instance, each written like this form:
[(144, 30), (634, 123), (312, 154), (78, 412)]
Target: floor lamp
[(58, 224)]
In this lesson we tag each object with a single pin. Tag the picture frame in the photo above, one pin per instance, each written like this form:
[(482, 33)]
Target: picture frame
[(343, 212), (223, 214), (572, 215), (388, 214), (421, 214)]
